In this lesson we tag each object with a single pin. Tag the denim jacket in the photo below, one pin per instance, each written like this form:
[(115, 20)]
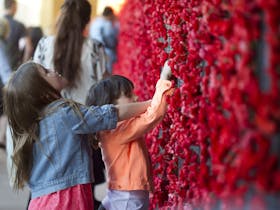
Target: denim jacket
[(61, 156)]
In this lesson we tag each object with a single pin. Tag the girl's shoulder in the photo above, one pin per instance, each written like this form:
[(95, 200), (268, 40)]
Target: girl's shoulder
[(61, 105)]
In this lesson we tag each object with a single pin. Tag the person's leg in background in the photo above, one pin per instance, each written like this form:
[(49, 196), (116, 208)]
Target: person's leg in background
[(99, 176)]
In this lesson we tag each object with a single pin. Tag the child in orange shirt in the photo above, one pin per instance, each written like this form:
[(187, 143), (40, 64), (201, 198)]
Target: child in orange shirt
[(124, 150)]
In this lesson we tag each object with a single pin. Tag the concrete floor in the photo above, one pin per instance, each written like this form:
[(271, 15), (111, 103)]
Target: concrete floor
[(10, 200)]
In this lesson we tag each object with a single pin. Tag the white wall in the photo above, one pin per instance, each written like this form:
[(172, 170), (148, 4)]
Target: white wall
[(28, 11)]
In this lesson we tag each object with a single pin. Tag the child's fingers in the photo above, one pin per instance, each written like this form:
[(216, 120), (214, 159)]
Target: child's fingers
[(166, 71)]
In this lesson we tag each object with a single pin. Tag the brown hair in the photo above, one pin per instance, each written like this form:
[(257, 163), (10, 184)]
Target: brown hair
[(109, 90), (75, 14), (25, 96)]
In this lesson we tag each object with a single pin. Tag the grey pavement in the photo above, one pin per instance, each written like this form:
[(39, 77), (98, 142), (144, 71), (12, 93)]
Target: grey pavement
[(10, 200)]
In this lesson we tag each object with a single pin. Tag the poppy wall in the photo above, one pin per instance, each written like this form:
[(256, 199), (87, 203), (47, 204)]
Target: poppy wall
[(218, 146)]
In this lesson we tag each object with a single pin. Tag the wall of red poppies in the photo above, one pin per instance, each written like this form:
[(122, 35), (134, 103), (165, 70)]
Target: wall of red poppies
[(219, 144)]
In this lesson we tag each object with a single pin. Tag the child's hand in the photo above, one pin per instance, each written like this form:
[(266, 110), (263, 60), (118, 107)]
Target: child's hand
[(166, 71)]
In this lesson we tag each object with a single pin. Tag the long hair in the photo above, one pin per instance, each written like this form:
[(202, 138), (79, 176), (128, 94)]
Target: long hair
[(75, 14), (25, 97), (108, 90)]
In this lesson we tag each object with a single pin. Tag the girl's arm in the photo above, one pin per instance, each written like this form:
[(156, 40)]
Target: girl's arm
[(84, 120), (129, 110), (133, 109), (93, 119), (136, 127)]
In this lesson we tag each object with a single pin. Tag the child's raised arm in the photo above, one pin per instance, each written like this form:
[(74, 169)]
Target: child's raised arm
[(126, 111)]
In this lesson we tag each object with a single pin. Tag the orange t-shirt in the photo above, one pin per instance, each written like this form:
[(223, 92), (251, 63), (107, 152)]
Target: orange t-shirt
[(124, 150)]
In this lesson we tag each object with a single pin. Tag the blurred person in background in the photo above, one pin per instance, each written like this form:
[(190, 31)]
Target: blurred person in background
[(17, 31), (77, 58), (30, 42), (105, 29), (5, 73)]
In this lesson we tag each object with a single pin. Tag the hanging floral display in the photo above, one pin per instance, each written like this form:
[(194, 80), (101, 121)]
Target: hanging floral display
[(218, 145)]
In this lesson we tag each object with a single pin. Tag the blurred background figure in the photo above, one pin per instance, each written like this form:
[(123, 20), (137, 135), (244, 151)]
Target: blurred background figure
[(5, 72), (105, 29), (33, 35), (79, 59), (17, 31)]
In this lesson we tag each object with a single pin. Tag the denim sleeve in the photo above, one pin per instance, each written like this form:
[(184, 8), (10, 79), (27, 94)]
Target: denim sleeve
[(93, 119)]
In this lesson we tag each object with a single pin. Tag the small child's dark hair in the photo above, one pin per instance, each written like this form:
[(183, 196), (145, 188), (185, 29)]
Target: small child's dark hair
[(108, 90)]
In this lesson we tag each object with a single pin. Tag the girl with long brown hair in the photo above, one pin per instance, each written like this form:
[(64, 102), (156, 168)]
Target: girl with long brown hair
[(52, 153), (79, 59)]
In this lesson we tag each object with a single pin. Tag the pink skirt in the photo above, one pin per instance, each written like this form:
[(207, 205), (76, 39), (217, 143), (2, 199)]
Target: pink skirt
[(73, 198)]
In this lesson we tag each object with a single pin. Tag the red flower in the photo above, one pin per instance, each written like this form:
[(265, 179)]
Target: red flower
[(217, 138)]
